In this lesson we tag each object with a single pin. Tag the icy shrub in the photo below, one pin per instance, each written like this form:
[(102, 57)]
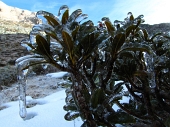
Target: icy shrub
[(107, 63)]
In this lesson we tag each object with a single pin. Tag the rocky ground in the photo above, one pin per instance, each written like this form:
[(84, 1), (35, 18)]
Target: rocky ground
[(37, 87)]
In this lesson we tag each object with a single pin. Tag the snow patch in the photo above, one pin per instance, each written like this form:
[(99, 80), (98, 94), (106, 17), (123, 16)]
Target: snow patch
[(57, 75)]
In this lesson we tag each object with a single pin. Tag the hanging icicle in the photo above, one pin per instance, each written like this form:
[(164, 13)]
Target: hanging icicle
[(22, 64)]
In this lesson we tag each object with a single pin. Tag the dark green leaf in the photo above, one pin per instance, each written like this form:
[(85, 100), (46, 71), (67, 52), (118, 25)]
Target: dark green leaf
[(131, 18), (74, 15), (42, 45), (145, 34), (117, 42), (65, 17), (109, 26), (53, 21), (120, 117), (75, 31), (137, 47), (130, 29), (68, 41), (97, 97)]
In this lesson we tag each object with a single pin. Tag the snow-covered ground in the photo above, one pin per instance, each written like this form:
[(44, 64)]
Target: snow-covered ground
[(48, 111), (43, 112)]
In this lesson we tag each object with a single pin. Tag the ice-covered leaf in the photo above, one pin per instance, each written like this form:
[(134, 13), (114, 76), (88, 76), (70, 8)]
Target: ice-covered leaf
[(65, 17), (130, 29), (130, 16), (118, 88), (128, 54), (71, 115), (145, 34), (43, 47), (70, 107), (137, 47), (81, 17), (74, 15), (120, 117), (62, 8), (54, 35), (53, 21), (68, 44), (117, 42), (75, 32), (109, 26), (42, 27), (41, 15), (155, 35), (68, 40), (27, 44), (44, 13), (97, 98)]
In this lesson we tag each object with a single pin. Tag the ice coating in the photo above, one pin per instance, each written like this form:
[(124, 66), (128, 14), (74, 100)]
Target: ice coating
[(74, 15), (62, 8), (42, 27), (25, 43), (22, 65), (149, 61), (81, 17), (41, 14), (22, 81)]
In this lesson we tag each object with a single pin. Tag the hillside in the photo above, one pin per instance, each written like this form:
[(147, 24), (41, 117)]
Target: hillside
[(15, 25), (152, 29)]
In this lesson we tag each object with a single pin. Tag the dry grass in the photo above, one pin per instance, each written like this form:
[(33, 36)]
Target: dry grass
[(8, 26)]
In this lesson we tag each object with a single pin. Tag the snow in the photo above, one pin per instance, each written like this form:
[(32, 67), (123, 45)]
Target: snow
[(47, 113), (43, 112), (57, 75)]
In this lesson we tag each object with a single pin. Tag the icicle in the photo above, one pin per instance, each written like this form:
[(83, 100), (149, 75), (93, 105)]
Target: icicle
[(22, 81), (22, 64), (149, 61)]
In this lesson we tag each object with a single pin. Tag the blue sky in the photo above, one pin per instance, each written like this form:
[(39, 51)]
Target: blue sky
[(154, 11)]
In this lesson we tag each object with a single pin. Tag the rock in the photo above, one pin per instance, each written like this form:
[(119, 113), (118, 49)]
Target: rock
[(16, 14)]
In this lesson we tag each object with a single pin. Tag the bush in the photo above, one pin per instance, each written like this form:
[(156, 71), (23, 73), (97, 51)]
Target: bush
[(43, 69), (97, 57), (7, 75)]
